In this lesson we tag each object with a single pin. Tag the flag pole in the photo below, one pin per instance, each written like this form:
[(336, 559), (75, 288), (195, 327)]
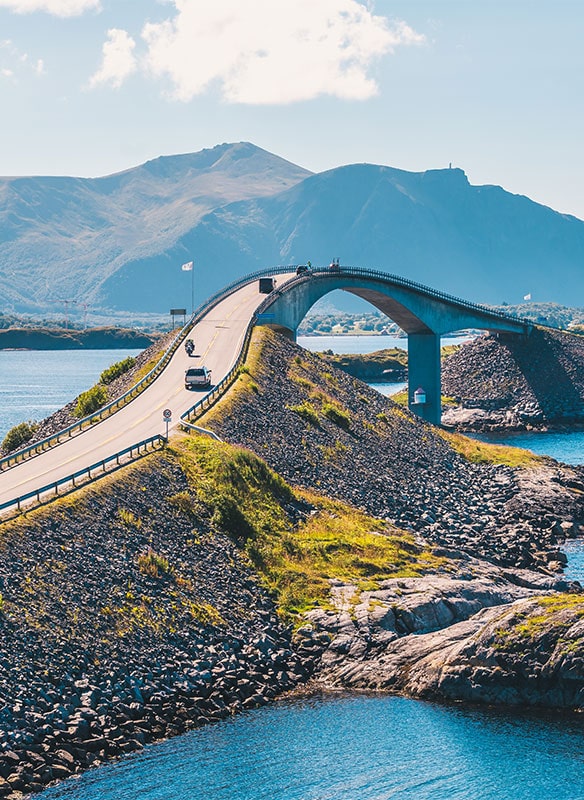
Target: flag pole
[(192, 290)]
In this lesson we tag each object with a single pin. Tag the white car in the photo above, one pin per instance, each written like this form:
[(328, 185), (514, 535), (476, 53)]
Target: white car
[(197, 377)]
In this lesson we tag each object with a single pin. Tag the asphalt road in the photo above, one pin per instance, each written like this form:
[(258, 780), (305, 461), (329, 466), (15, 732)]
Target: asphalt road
[(218, 338)]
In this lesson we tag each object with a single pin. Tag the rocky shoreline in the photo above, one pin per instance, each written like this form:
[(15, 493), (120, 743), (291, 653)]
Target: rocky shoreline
[(137, 646), (131, 610), (537, 384)]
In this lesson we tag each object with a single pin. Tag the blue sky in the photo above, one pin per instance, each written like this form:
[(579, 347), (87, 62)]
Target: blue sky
[(91, 87)]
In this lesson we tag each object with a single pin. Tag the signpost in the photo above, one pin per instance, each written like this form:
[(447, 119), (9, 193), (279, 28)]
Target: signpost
[(178, 312), (167, 417)]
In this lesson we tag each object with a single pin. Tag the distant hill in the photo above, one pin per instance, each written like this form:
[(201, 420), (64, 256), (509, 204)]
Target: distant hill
[(61, 238), (118, 242)]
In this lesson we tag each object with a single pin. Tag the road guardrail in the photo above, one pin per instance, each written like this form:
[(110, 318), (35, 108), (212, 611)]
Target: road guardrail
[(134, 451)]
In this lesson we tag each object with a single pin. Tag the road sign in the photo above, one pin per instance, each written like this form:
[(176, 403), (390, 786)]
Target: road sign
[(167, 414), (178, 312)]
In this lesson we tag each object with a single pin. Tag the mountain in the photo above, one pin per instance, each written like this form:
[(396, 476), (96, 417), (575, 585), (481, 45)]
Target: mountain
[(119, 241), (62, 237)]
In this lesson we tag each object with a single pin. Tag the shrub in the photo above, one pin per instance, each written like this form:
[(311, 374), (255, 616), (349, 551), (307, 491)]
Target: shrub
[(336, 415), (90, 401), (113, 372), (153, 564), (307, 412), (183, 502), (18, 436)]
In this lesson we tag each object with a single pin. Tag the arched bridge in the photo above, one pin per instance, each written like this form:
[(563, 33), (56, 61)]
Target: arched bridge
[(423, 313)]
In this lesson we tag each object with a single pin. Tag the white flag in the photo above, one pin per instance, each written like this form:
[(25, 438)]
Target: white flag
[(525, 296), (187, 267)]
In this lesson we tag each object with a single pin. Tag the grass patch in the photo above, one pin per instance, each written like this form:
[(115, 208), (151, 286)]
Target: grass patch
[(401, 398), (149, 366), (296, 561), (336, 414), (307, 412), (153, 564), (534, 625), (478, 452)]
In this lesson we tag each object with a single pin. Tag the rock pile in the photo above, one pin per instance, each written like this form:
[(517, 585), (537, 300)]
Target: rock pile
[(124, 619), (513, 382), (388, 462)]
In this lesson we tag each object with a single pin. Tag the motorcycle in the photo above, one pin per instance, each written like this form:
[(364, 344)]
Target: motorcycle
[(189, 347)]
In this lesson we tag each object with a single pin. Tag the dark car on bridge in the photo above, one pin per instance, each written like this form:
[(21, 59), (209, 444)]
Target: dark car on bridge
[(301, 269)]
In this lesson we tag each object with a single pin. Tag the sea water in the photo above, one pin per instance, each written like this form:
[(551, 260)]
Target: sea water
[(35, 383), (353, 748)]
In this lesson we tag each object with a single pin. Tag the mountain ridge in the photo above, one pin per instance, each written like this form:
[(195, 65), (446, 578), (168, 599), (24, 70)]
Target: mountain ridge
[(118, 241)]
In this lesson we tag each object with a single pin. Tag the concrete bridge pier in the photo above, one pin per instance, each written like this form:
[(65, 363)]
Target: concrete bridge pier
[(424, 373)]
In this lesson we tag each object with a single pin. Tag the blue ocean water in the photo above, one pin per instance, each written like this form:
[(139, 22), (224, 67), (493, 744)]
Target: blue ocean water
[(35, 383), (564, 446), (353, 748)]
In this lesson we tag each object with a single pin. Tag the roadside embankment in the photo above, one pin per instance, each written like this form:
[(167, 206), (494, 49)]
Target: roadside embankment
[(66, 416), (128, 615), (506, 382)]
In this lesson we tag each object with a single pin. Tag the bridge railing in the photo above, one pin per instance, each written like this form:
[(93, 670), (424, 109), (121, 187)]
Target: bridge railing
[(134, 451), (397, 280), (12, 459)]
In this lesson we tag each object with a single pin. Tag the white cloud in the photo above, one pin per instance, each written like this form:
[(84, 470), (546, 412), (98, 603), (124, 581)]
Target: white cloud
[(19, 62), (118, 59), (272, 51), (60, 8)]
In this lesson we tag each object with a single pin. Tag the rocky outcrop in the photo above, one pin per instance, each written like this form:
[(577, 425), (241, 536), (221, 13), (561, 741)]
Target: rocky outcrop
[(512, 382), (73, 339), (382, 366), (479, 634), (390, 463)]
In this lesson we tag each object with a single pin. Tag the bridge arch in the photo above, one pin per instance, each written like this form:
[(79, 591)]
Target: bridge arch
[(424, 314)]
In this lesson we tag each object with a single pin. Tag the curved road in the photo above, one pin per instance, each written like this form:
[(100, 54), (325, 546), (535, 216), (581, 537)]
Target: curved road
[(218, 338)]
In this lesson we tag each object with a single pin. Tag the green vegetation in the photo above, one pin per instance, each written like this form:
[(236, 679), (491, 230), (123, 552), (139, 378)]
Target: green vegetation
[(382, 365), (334, 322), (307, 412), (401, 398), (129, 518), (183, 501), (18, 436), (336, 414), (90, 401), (482, 453), (532, 624), (111, 373), (153, 564), (248, 501), (553, 314)]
